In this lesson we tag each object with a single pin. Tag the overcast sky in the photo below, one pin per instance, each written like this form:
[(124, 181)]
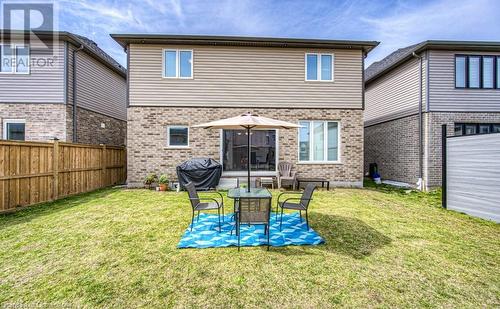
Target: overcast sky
[(394, 23)]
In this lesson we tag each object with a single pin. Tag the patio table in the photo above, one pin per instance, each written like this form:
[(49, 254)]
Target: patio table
[(255, 193), (236, 193)]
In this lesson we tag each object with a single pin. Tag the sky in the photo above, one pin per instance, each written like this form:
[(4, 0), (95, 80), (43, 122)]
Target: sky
[(395, 23)]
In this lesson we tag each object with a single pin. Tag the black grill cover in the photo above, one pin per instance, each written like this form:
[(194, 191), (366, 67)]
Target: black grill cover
[(203, 172)]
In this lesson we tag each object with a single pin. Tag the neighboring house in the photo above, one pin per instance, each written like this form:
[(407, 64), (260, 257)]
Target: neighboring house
[(414, 91), (178, 81), (36, 89)]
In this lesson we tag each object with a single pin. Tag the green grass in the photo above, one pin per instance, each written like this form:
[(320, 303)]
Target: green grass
[(117, 248)]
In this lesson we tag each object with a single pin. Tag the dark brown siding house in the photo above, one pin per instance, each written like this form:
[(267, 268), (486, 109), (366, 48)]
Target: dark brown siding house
[(412, 92), (60, 85), (178, 81)]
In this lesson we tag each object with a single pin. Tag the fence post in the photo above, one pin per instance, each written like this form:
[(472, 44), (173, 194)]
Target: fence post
[(55, 169), (103, 162), (443, 166)]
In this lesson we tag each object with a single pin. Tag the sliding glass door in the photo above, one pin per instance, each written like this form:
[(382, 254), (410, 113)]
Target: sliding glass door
[(235, 150)]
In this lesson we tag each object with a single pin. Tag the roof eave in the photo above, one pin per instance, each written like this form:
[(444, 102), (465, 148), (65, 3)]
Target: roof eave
[(71, 38), (125, 39)]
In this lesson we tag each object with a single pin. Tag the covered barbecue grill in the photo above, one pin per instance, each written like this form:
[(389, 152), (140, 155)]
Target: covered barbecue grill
[(205, 173)]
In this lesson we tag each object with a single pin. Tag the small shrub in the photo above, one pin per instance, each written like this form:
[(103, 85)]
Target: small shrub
[(163, 180), (150, 179)]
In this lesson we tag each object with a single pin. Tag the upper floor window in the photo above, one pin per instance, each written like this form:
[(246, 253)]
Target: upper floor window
[(177, 63), (14, 59), (498, 72), (477, 72), (319, 141), (319, 67)]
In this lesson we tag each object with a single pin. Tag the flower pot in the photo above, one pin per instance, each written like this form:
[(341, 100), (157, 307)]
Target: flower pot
[(163, 187)]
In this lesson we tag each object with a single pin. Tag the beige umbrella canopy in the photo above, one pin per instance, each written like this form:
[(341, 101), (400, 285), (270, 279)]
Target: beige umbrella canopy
[(248, 122)]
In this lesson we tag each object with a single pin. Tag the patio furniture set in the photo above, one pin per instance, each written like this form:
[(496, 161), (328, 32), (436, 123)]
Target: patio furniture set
[(252, 206)]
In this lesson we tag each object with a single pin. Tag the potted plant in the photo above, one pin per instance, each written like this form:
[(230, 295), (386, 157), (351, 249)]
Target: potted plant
[(163, 182), (150, 179)]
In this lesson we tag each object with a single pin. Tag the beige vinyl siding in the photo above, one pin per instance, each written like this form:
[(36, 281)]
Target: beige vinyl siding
[(442, 93), (100, 89), (243, 77), (394, 95), (44, 84)]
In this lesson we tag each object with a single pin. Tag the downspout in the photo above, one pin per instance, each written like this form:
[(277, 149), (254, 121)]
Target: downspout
[(420, 184), (75, 138)]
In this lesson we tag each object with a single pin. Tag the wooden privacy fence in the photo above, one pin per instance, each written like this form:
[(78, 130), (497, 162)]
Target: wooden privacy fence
[(35, 172)]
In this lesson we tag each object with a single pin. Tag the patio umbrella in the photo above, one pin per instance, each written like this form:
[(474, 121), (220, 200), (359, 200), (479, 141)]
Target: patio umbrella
[(248, 122)]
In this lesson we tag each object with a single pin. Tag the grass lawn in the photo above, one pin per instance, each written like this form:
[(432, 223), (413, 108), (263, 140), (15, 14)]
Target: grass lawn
[(117, 248)]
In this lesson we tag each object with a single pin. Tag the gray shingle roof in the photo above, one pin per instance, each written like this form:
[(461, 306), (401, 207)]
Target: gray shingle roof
[(94, 48), (379, 67), (401, 55)]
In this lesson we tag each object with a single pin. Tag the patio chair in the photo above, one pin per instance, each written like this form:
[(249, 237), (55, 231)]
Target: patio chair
[(299, 203), (285, 175), (208, 204), (253, 211)]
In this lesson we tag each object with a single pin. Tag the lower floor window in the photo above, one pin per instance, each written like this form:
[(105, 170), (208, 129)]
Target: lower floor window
[(178, 136), (319, 141), (235, 150), (476, 128), (14, 129)]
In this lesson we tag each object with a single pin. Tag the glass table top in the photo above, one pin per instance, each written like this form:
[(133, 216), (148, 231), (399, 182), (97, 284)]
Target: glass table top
[(254, 193)]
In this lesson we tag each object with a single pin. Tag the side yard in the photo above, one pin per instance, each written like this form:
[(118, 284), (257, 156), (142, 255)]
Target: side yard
[(117, 247)]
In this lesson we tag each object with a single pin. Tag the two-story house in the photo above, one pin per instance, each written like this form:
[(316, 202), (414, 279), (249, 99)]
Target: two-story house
[(178, 81), (414, 91), (60, 85)]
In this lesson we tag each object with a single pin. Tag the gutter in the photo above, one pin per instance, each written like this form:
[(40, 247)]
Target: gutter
[(420, 183), (75, 137)]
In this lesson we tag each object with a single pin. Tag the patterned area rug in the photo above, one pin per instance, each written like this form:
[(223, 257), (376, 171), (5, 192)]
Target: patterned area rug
[(205, 233)]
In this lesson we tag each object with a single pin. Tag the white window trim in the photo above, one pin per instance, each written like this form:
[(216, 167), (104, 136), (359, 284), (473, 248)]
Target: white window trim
[(325, 128), (7, 121), (14, 67), (177, 63), (318, 68), (180, 126), (254, 173)]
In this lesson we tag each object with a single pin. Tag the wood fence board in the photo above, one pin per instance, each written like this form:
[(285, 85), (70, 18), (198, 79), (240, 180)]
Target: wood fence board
[(35, 172)]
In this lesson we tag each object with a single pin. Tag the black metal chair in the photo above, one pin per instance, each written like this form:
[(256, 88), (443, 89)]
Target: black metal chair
[(255, 211), (300, 203), (210, 204)]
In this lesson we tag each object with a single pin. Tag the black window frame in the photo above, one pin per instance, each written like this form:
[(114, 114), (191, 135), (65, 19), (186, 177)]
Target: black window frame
[(496, 73), (478, 125)]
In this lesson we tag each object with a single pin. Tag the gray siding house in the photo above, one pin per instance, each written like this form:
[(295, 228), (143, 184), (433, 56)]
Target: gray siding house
[(415, 90), (41, 77), (178, 81)]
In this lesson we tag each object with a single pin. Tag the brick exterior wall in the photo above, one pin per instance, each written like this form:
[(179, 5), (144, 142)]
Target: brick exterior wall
[(393, 145), (432, 139), (89, 129), (43, 121), (148, 152), (46, 121)]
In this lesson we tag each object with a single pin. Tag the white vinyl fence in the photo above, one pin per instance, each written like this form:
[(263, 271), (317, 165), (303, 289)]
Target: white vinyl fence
[(471, 175)]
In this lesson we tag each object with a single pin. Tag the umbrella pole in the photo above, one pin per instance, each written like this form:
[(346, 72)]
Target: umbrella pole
[(249, 155)]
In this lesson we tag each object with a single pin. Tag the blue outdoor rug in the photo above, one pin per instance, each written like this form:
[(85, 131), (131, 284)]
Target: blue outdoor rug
[(205, 233)]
